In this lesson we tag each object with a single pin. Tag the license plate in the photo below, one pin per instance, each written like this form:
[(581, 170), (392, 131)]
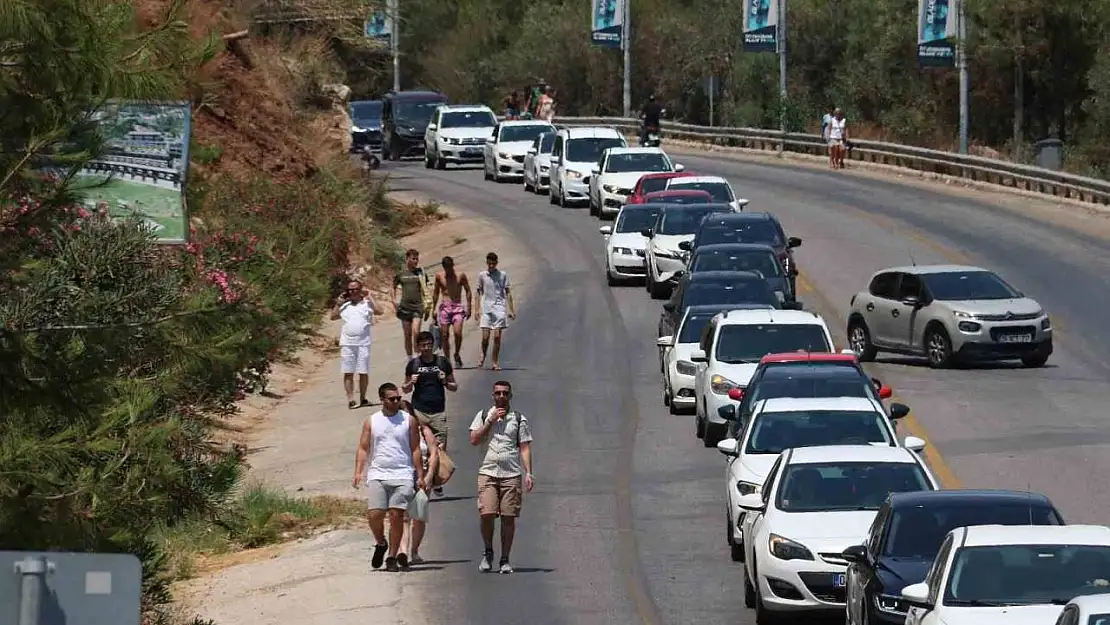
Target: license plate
[(653, 137), (1015, 338), (472, 152), (838, 580)]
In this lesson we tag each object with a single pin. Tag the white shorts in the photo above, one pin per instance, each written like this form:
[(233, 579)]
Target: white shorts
[(354, 359), (496, 320)]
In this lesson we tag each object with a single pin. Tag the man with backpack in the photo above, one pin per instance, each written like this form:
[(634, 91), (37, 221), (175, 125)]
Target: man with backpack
[(428, 377), (505, 473)]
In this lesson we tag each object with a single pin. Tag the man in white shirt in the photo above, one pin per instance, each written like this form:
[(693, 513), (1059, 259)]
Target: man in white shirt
[(497, 308), (357, 309)]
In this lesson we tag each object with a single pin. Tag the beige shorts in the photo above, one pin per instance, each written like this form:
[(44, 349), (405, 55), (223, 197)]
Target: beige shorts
[(502, 496), (435, 420)]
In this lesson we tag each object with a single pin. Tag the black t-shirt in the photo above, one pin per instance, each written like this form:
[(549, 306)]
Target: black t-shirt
[(652, 112), (429, 394)]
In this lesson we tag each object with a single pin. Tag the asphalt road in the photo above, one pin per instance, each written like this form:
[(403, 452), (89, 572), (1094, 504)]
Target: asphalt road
[(626, 524)]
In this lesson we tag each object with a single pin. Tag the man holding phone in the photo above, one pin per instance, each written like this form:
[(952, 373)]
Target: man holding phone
[(428, 377), (357, 309)]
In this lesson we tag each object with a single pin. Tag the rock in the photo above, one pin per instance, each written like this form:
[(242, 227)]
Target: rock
[(339, 94)]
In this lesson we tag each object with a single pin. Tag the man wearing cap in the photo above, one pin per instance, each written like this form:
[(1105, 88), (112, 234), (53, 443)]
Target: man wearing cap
[(451, 313)]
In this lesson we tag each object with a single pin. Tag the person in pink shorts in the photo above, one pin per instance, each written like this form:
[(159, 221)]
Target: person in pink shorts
[(451, 313)]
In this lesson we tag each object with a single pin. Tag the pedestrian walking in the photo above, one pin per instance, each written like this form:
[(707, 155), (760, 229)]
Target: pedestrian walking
[(497, 308), (410, 307), (505, 472), (838, 138), (357, 309), (452, 312), (390, 441), (826, 121), (428, 377), (416, 518)]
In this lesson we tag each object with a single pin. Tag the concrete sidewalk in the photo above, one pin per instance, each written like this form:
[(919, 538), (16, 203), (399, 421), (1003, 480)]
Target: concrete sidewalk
[(306, 445)]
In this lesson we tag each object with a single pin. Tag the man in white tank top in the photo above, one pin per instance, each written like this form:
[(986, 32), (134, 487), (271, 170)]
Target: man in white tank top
[(390, 440)]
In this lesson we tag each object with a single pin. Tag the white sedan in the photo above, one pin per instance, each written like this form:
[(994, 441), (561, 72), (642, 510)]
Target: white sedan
[(504, 151), (675, 351), (625, 244), (616, 174), (716, 186), (816, 502), (537, 164)]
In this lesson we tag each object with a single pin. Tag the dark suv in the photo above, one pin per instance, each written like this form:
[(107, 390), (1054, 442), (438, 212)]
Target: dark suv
[(366, 125), (749, 228), (405, 117)]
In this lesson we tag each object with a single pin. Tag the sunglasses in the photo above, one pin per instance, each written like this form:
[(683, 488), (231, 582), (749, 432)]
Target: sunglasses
[(501, 393), (395, 398)]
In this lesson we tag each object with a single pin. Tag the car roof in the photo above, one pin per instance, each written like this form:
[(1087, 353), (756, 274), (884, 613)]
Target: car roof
[(927, 269), (369, 101), (734, 247), (744, 216), (697, 179), (591, 132), (679, 192), (465, 108), (851, 453), (668, 174), (640, 207), (812, 357), (721, 276), (986, 497), (713, 308), (711, 206), (1096, 604), (992, 535), (768, 315), (634, 150), (416, 95), (809, 404), (526, 122)]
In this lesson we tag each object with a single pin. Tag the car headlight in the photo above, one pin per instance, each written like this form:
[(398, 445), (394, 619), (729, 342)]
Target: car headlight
[(685, 367), (544, 168), (357, 129), (574, 175), (622, 250), (673, 254), (721, 385), (747, 488), (786, 549), (610, 188), (504, 155), (959, 314), (890, 604)]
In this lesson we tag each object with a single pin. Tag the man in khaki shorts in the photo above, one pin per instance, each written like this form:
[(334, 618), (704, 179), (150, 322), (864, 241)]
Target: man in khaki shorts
[(505, 472)]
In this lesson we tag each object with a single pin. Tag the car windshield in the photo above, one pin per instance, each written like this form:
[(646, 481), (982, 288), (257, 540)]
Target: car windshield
[(762, 261), (366, 110), (1000, 575), (636, 220), (720, 191), (917, 531), (589, 150), (680, 198), (748, 343), (749, 231), (772, 432), (954, 286), (415, 112), (467, 119), (839, 486), (683, 221), (692, 327), (547, 143), (730, 292), (651, 185), (637, 161), (523, 133), (805, 380)]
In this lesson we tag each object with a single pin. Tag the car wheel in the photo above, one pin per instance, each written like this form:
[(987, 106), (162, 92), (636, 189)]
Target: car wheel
[(551, 199), (527, 187), (763, 616), (485, 172), (699, 425), (594, 210), (750, 597), (440, 163), (657, 290), (938, 348), (428, 162), (394, 152), (609, 277), (1034, 360), (666, 397), (736, 547), (713, 434), (859, 339)]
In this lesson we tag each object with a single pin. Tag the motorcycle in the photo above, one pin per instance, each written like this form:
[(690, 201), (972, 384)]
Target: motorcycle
[(650, 137)]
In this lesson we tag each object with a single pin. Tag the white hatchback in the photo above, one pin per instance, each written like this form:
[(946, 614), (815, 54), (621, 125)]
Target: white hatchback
[(574, 155), (506, 148), (716, 186), (537, 164), (614, 177), (625, 244), (816, 502)]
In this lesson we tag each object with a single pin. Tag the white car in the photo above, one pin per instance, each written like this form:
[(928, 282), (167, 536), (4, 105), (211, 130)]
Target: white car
[(456, 135), (674, 354), (615, 175), (504, 151), (537, 164), (1010, 574), (1086, 610), (625, 243), (574, 154), (816, 502), (716, 186), (778, 424), (731, 348)]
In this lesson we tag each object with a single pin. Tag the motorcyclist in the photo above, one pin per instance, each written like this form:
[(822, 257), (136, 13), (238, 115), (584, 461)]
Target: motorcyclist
[(650, 116)]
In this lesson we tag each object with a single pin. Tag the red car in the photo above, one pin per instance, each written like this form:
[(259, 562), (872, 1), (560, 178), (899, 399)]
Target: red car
[(649, 183), (675, 196)]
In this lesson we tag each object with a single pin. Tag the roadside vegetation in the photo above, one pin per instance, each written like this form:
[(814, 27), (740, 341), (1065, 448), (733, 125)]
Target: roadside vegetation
[(1037, 67), (121, 359)]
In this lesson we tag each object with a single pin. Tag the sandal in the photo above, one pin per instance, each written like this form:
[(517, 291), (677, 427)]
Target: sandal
[(458, 361), (352, 404), (496, 367), (364, 403)]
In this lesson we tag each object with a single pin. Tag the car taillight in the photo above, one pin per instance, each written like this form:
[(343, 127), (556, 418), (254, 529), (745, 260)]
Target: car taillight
[(784, 259)]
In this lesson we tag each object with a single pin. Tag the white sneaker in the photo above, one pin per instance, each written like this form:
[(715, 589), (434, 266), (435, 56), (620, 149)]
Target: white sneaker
[(486, 565), (506, 568)]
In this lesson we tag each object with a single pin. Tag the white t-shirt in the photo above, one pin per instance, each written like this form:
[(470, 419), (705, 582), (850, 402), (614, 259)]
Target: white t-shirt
[(356, 324), (836, 128), (494, 290)]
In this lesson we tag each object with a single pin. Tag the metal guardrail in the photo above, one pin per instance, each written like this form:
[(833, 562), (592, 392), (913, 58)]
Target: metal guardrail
[(975, 168)]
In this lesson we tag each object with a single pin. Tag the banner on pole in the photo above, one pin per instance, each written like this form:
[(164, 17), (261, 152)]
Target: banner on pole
[(379, 27), (607, 23), (936, 30), (761, 25)]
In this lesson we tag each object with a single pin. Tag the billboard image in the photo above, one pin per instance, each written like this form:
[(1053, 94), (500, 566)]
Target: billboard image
[(379, 27), (936, 31), (143, 167), (761, 25), (607, 23)]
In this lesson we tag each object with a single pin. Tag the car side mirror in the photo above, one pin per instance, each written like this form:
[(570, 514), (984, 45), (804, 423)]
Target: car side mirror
[(684, 245), (741, 203), (751, 503), (646, 232), (432, 127), (917, 595), (914, 444), (728, 413), (532, 151), (793, 242), (898, 411), (679, 167), (736, 394), (606, 230), (698, 356), (728, 447), (665, 341), (595, 170), (856, 554)]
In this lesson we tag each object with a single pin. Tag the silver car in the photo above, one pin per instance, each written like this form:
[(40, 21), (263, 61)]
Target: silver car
[(948, 313)]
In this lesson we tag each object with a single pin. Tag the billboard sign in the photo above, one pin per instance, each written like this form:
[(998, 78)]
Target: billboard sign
[(607, 28), (936, 31)]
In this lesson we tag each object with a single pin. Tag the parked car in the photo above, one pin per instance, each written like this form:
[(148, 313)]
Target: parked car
[(405, 117)]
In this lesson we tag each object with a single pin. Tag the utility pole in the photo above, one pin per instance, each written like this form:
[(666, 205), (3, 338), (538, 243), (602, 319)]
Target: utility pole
[(626, 47), (782, 68), (394, 44), (961, 65)]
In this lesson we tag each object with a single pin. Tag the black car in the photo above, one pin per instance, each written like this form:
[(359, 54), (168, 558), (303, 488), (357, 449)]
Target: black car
[(665, 259), (742, 257), (405, 117), (749, 228), (366, 125), (714, 287), (907, 533)]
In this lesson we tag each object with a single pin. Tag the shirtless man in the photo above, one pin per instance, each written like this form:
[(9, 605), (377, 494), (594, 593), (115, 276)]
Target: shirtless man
[(452, 313)]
